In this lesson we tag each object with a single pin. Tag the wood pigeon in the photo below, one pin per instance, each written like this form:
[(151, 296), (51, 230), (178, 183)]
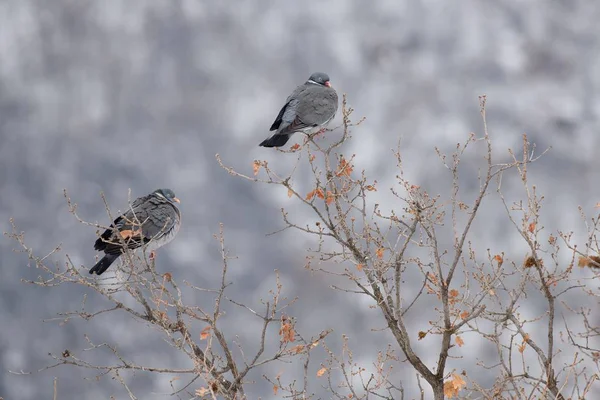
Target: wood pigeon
[(308, 109), (152, 221)]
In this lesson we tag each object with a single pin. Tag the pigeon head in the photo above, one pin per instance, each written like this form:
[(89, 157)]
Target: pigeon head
[(320, 78), (167, 194)]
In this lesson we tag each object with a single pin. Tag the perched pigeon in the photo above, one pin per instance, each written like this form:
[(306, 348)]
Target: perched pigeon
[(152, 221), (308, 110)]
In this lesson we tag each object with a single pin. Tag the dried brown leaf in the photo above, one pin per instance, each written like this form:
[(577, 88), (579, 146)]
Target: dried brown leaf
[(459, 341), (453, 386), (256, 167), (286, 331), (205, 333), (499, 259), (529, 262), (344, 168), (297, 349), (329, 198), (593, 262)]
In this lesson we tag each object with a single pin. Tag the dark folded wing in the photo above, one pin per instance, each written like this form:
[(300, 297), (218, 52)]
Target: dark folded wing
[(287, 114), (128, 227)]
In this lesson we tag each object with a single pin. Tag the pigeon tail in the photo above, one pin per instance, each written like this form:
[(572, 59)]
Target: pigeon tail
[(104, 263), (275, 141)]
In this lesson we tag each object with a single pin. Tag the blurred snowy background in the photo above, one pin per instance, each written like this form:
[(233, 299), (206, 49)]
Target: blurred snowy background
[(117, 94)]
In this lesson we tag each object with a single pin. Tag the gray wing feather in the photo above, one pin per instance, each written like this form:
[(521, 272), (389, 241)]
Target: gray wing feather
[(310, 106), (289, 115), (161, 219), (156, 217), (317, 105)]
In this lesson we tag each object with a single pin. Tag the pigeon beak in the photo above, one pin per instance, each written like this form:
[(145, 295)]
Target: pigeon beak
[(176, 200), (328, 84)]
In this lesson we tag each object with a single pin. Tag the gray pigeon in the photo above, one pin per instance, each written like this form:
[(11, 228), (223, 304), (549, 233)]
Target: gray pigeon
[(152, 221), (309, 109)]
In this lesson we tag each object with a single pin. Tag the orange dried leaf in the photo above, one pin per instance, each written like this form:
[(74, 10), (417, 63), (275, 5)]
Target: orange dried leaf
[(287, 332), (329, 198), (205, 333), (522, 348), (290, 192), (422, 335), (167, 276), (453, 386), (371, 188), (359, 267), (498, 258), (432, 277), (464, 314), (449, 390), (256, 167), (320, 193), (321, 371), (275, 389), (311, 194), (344, 168), (531, 227), (379, 252), (453, 293), (458, 381), (297, 349), (459, 341), (295, 147)]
